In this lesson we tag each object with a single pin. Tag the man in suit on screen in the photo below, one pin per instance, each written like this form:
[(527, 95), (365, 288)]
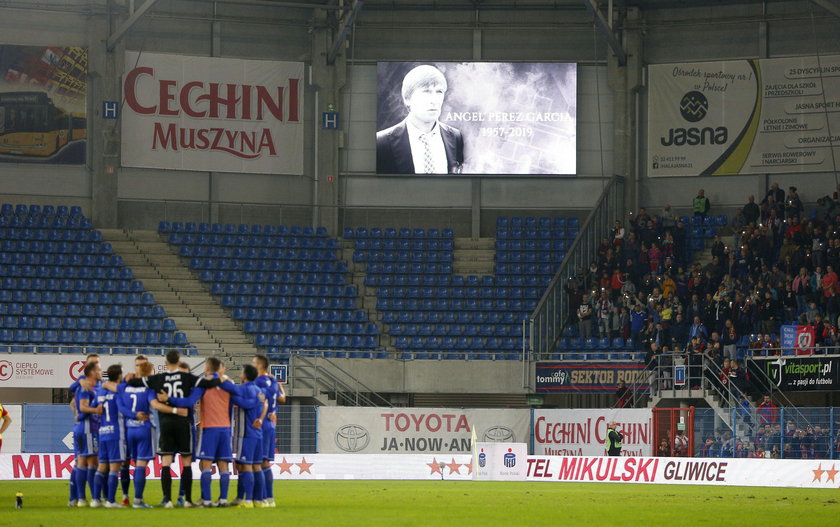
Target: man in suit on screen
[(421, 144)]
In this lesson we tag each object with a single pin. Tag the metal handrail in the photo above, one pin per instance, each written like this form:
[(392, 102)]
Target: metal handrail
[(638, 394), (553, 308), (341, 388)]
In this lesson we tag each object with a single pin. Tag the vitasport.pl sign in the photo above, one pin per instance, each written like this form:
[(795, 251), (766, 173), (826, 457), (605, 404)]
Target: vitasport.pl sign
[(804, 373), (416, 430)]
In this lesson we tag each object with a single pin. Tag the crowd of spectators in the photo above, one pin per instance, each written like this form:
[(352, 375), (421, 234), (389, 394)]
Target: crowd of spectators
[(765, 436), (644, 287)]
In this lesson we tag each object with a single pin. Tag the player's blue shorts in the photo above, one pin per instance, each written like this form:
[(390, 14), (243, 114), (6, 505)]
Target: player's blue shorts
[(141, 443), (249, 451), (269, 440), (214, 444), (85, 444), (112, 451)]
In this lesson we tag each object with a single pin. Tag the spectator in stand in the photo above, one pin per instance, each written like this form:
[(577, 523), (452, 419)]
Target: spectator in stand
[(663, 450), (768, 312), (618, 233), (584, 314), (698, 329), (802, 289), (701, 204), (680, 444), (767, 412), (775, 193), (669, 219), (822, 443), (623, 395), (752, 212), (729, 340), (679, 332), (637, 324), (829, 282), (793, 205)]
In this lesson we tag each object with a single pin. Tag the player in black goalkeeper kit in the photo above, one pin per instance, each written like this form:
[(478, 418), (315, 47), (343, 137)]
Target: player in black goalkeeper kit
[(176, 434), (612, 445)]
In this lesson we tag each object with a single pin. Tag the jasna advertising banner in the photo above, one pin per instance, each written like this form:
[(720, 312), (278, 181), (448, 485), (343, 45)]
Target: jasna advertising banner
[(757, 116)]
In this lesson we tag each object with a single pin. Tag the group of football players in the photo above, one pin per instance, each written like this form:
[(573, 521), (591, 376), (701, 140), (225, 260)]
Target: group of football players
[(120, 416)]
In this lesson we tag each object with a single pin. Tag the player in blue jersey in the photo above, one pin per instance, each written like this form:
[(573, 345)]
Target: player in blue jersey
[(86, 431), (274, 394), (78, 470), (136, 403), (112, 442), (252, 408)]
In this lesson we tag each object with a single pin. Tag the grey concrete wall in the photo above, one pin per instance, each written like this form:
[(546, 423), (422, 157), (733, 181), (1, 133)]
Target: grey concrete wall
[(430, 376)]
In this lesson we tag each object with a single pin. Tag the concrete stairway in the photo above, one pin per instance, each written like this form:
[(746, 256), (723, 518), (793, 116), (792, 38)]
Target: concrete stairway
[(705, 256), (186, 300), (474, 256), (471, 257)]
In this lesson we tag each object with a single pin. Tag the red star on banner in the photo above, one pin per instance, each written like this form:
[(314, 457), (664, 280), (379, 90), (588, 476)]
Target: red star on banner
[(831, 473), (304, 466), (818, 473), (435, 466), (454, 468), (284, 466), (469, 467)]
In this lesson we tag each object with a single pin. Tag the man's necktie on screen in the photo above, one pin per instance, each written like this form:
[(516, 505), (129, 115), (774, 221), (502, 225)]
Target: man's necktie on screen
[(428, 162)]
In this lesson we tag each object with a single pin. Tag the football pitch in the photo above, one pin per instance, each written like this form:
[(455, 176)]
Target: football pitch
[(461, 503)]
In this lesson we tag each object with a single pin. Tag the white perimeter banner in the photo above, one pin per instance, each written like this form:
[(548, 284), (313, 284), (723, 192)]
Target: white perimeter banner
[(583, 432), (212, 114), (27, 370), (754, 116), (416, 430), (813, 473), (810, 473), (501, 461), (286, 466)]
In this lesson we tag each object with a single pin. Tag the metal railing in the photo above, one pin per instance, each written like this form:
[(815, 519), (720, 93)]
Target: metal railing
[(325, 377), (548, 319)]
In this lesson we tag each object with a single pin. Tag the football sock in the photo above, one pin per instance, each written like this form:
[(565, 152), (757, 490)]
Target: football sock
[(258, 484), (240, 487), (125, 479), (247, 481), (91, 475), (139, 482), (81, 481), (99, 480), (113, 482), (206, 476), (166, 483), (73, 488), (268, 477), (224, 485), (186, 482)]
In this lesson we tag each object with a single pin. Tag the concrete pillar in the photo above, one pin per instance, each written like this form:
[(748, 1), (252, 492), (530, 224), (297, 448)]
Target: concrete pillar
[(327, 80), (104, 78), (625, 83)]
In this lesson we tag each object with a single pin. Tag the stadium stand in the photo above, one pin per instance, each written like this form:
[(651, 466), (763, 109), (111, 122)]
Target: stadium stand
[(285, 285), (64, 291)]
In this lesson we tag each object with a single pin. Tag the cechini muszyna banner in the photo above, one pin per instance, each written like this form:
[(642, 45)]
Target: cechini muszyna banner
[(754, 116)]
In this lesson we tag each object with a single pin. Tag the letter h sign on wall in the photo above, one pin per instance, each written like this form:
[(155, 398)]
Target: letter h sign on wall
[(329, 120)]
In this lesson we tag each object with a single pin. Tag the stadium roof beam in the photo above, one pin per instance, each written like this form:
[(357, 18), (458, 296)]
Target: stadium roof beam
[(829, 5), (135, 15), (606, 30), (344, 30)]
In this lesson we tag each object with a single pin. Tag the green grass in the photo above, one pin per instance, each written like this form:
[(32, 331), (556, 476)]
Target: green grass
[(464, 503)]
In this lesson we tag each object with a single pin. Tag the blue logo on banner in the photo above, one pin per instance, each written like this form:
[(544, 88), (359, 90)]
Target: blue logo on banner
[(482, 459), (510, 459), (679, 375)]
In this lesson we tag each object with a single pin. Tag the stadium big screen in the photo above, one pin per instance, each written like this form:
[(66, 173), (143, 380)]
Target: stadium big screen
[(476, 118)]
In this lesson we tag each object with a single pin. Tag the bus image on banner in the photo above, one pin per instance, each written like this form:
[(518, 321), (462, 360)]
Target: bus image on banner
[(32, 126)]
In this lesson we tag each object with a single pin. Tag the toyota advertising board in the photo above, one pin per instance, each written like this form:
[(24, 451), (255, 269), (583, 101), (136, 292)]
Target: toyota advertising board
[(416, 430), (59, 371)]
